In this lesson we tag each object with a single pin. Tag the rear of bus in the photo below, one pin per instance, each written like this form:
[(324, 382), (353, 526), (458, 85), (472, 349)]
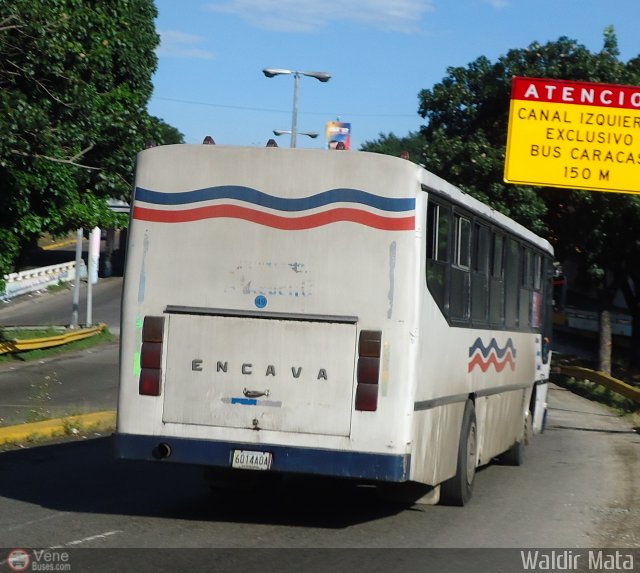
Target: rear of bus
[(266, 311)]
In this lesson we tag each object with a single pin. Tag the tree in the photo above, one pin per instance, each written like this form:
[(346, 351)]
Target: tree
[(391, 144), (465, 137), (161, 133), (75, 79)]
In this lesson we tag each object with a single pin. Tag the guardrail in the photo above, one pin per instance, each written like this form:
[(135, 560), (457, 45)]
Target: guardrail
[(37, 279), (603, 379), (20, 345)]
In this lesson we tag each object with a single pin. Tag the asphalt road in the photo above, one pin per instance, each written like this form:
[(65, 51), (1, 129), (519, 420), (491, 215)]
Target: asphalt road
[(578, 489), (55, 308), (74, 383)]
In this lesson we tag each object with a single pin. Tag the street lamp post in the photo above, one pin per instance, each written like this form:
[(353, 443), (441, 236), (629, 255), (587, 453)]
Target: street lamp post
[(311, 134), (320, 76)]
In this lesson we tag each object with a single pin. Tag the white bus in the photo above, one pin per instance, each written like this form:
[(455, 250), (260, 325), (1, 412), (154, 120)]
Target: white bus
[(334, 313)]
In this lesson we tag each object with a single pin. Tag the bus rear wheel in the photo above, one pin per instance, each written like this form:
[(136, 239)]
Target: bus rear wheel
[(458, 489), (515, 455)]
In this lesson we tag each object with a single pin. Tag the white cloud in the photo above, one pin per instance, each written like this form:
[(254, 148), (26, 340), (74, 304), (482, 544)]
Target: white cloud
[(312, 15), (182, 45)]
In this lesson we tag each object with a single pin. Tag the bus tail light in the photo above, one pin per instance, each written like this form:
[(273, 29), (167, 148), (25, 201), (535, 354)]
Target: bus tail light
[(151, 356), (368, 372)]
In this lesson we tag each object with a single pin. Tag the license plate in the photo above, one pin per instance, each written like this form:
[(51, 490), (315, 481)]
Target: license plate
[(248, 460)]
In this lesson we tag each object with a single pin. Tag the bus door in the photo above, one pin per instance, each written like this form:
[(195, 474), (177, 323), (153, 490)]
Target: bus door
[(262, 372)]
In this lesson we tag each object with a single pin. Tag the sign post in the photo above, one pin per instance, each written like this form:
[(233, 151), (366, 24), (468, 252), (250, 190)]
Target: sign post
[(577, 135)]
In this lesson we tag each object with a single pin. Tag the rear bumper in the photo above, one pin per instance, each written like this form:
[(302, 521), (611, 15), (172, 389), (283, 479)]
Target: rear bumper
[(286, 459)]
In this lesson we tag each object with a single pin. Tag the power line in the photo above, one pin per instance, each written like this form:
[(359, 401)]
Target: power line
[(262, 109)]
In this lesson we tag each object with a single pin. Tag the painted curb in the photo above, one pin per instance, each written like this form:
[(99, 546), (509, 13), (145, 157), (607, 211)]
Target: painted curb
[(59, 244), (57, 427)]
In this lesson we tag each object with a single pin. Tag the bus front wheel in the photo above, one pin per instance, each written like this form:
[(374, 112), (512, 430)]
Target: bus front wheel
[(458, 489)]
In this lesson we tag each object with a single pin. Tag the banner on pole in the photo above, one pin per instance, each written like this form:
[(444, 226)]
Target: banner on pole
[(338, 132)]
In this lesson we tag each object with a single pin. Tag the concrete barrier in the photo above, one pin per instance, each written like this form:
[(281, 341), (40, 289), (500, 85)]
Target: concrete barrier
[(33, 280)]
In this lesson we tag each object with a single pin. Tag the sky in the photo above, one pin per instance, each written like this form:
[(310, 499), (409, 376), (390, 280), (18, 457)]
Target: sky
[(380, 54)]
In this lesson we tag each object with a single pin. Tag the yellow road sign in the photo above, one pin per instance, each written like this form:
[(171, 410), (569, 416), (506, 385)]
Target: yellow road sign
[(574, 134)]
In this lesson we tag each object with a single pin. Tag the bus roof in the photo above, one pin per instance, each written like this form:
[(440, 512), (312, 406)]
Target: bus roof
[(441, 187), (358, 160)]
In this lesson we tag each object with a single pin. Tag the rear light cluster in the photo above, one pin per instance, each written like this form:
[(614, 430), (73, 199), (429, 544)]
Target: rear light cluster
[(151, 356), (368, 373)]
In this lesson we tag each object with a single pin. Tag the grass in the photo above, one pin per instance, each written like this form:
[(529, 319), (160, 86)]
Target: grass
[(102, 337), (599, 393), (61, 285), (8, 334)]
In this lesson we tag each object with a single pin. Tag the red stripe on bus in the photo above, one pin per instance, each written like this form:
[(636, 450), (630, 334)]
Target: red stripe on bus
[(499, 365), (275, 221)]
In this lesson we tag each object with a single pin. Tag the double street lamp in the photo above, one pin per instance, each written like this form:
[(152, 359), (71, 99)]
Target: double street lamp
[(311, 134), (320, 76)]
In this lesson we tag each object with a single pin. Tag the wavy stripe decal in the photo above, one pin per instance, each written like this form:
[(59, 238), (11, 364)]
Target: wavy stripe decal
[(258, 198), (493, 345), (276, 221), (499, 365), (190, 208), (492, 355)]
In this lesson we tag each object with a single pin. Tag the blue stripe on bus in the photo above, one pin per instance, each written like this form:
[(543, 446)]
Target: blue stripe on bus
[(286, 459), (253, 196), (245, 401), (493, 345)]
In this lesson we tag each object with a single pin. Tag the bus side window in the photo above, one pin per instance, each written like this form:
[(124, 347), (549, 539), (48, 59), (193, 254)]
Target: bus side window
[(496, 282), (526, 288), (460, 294), (532, 294), (463, 242), (537, 312), (537, 272), (512, 282), (437, 232), (480, 265), (438, 253)]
